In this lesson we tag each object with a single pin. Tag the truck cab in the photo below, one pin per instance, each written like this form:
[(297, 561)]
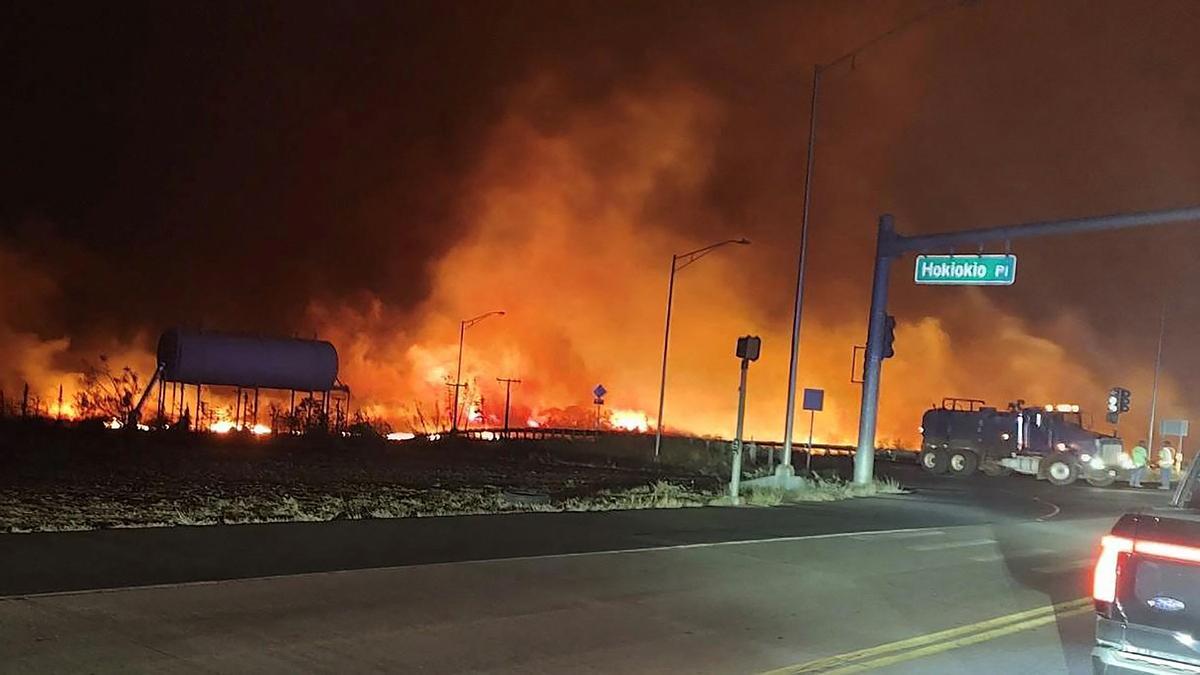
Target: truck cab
[(1146, 589)]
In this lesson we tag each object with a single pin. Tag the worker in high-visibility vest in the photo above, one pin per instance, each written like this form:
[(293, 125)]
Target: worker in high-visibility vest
[(1141, 458), (1166, 464)]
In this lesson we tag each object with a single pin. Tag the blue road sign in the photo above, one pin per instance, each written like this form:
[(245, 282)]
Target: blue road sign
[(814, 399)]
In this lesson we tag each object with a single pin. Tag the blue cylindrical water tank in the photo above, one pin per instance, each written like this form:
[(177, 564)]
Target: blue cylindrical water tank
[(226, 359)]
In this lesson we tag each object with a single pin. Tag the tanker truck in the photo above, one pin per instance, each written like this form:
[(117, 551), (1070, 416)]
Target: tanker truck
[(963, 435)]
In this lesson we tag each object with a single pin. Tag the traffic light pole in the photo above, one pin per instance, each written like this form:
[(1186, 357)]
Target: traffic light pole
[(735, 472), (864, 457), (890, 245)]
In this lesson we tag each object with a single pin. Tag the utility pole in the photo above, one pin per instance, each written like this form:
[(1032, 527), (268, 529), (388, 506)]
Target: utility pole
[(508, 383), (1162, 329), (890, 245)]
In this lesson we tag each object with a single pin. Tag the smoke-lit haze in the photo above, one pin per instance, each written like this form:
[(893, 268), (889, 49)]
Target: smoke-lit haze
[(373, 174)]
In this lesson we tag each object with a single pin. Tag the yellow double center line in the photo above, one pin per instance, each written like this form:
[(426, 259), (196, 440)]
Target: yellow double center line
[(941, 641)]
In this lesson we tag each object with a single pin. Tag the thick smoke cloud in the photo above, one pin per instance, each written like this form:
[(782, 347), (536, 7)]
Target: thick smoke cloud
[(375, 176)]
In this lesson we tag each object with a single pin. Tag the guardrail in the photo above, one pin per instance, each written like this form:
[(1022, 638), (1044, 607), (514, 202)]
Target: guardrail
[(591, 435)]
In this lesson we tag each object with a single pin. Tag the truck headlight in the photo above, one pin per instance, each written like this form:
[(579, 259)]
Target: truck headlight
[(1085, 457)]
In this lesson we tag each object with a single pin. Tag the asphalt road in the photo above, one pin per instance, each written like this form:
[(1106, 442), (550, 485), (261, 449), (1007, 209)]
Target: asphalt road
[(978, 574)]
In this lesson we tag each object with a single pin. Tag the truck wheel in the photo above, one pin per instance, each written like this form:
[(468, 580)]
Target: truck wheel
[(1061, 469), (963, 463), (934, 460), (1101, 478)]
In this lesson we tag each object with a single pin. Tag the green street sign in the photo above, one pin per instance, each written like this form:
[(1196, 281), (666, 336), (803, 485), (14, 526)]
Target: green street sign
[(966, 270)]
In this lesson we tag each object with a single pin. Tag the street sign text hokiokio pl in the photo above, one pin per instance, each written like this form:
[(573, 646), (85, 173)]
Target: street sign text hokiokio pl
[(966, 270)]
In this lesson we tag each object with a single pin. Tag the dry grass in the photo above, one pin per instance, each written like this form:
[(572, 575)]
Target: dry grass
[(821, 489), (26, 511), (659, 495)]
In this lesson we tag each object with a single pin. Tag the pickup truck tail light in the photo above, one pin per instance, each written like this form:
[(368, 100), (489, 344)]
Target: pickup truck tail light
[(1104, 583), (1160, 549)]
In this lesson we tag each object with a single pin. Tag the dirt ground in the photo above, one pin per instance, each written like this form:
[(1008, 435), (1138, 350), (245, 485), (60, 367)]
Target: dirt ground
[(56, 478)]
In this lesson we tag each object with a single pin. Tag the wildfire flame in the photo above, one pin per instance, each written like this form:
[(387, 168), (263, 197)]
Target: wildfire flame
[(555, 228), (115, 424), (629, 420), (225, 426)]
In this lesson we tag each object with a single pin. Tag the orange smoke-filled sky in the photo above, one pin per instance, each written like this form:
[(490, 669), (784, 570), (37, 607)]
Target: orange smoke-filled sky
[(375, 177)]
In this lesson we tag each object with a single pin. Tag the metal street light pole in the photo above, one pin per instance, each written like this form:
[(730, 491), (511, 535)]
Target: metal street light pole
[(678, 262), (462, 332), (662, 383), (790, 415), (785, 468), (1162, 329)]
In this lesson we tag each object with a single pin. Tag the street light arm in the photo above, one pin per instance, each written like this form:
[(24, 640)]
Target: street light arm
[(685, 259), (458, 384), (899, 28), (467, 323)]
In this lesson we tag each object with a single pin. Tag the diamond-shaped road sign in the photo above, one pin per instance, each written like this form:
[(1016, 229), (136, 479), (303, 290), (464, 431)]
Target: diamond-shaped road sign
[(599, 391)]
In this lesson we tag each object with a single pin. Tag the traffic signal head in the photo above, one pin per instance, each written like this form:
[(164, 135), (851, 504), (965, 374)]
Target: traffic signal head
[(748, 347), (1123, 403), (1114, 400), (889, 336)]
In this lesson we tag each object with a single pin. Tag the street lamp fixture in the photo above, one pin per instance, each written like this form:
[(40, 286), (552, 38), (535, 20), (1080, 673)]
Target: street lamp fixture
[(462, 332), (678, 262)]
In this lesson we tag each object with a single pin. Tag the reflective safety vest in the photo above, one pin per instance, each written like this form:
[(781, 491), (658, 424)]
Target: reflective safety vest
[(1166, 457)]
